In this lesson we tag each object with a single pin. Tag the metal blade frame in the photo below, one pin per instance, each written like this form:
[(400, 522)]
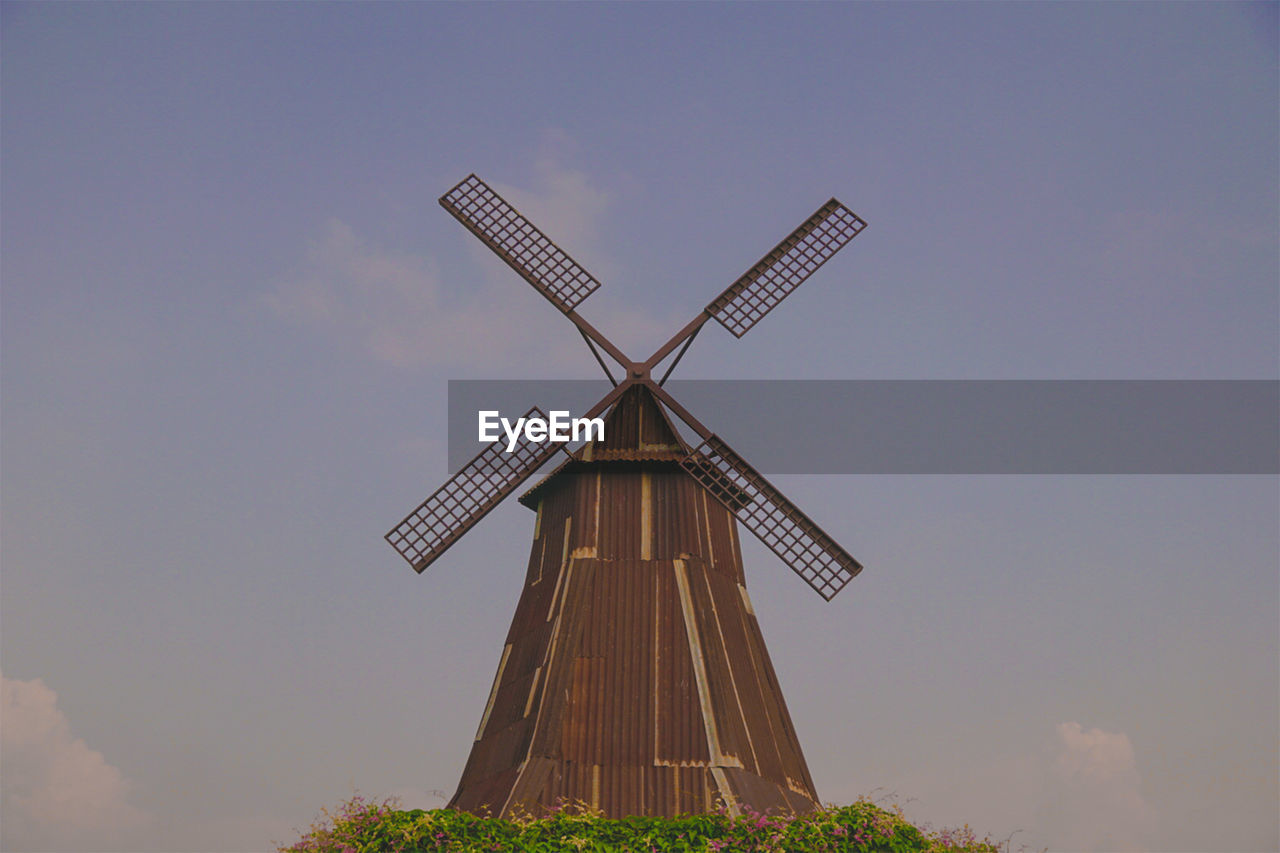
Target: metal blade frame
[(492, 475), (759, 290), (520, 243), (467, 497), (793, 536)]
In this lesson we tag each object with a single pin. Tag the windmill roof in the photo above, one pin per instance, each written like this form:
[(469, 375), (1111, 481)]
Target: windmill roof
[(636, 430)]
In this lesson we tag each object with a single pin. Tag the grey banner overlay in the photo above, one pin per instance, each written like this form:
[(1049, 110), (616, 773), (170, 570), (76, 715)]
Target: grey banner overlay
[(941, 426)]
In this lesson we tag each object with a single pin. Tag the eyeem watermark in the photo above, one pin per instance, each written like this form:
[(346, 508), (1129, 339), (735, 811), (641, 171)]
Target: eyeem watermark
[(560, 428), (919, 426)]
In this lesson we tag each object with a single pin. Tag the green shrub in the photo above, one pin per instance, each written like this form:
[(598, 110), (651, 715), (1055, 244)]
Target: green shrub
[(362, 826)]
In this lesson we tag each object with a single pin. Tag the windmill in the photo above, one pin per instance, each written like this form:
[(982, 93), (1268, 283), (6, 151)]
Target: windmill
[(635, 676)]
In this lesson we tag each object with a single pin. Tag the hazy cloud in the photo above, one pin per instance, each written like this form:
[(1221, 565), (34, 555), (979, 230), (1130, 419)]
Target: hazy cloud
[(564, 203), (1094, 796), (393, 304), (386, 301), (1080, 792), (56, 793)]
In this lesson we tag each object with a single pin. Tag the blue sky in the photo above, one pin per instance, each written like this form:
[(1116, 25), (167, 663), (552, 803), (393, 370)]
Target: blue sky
[(231, 306)]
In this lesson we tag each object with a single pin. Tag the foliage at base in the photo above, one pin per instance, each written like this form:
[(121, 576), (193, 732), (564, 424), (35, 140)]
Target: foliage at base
[(361, 826)]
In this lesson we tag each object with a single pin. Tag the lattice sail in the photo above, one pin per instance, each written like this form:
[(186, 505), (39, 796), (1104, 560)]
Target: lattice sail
[(518, 242), (762, 287), (467, 497), (777, 522)]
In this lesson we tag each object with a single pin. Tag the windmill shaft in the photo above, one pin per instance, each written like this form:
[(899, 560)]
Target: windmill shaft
[(681, 412), (682, 336), (604, 343)]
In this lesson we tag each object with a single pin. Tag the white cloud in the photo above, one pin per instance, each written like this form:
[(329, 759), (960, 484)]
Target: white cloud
[(564, 204), (394, 305), (569, 207), (1094, 798), (55, 792), (391, 304), (385, 301)]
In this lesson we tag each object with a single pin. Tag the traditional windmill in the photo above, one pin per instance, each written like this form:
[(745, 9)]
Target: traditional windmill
[(635, 676)]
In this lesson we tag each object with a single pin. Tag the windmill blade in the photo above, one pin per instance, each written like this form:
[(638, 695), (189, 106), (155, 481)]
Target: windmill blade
[(777, 522), (762, 287), (467, 497), (518, 242)]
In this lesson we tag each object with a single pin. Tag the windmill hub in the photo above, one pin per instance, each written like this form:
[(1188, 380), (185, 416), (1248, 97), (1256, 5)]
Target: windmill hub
[(635, 677)]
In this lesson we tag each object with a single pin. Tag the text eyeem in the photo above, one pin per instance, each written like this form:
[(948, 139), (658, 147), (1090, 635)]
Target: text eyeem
[(560, 427)]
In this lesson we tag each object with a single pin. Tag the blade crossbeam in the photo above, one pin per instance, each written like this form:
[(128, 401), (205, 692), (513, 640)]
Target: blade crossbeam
[(467, 497), (762, 287), (778, 523), (517, 241)]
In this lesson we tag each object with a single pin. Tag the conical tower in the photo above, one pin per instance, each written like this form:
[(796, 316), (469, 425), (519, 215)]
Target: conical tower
[(634, 677)]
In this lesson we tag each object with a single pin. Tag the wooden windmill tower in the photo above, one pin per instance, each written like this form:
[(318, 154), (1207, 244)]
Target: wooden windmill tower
[(635, 677)]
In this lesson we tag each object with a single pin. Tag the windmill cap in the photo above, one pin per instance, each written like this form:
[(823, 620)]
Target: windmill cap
[(636, 430)]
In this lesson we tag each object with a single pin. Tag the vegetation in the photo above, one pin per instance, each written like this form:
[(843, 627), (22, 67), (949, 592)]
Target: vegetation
[(362, 826)]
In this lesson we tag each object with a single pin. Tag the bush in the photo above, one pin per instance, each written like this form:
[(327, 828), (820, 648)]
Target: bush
[(362, 826)]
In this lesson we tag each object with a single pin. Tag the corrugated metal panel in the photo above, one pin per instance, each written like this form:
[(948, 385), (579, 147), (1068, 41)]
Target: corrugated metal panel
[(636, 677), (586, 508), (768, 742), (675, 528), (679, 727), (721, 532), (730, 711), (774, 705), (620, 516)]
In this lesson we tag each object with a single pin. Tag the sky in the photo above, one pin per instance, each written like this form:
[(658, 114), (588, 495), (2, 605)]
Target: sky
[(230, 308)]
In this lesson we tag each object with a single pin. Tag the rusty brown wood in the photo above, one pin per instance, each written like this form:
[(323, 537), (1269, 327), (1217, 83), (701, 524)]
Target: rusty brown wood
[(634, 676)]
